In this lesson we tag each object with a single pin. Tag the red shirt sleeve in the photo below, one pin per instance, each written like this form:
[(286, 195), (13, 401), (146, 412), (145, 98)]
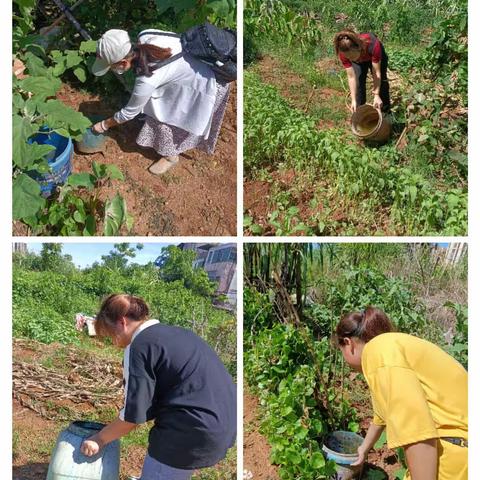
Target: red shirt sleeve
[(345, 61), (377, 52)]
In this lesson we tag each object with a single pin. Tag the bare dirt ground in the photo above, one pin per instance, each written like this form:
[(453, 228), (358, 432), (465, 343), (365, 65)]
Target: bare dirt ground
[(197, 197), (256, 450)]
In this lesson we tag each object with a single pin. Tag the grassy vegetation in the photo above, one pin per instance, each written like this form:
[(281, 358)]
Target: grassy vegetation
[(297, 139)]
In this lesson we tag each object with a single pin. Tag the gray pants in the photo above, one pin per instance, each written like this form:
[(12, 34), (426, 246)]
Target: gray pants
[(154, 470)]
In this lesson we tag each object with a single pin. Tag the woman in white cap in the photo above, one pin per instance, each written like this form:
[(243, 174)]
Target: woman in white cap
[(183, 102)]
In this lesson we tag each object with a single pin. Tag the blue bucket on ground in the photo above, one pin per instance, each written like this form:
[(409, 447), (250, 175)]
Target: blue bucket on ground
[(59, 161), (92, 142), (341, 447), (68, 463)]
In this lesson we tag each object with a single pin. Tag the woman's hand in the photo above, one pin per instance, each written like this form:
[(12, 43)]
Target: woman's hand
[(90, 447), (362, 457), (354, 106), (377, 102), (100, 127)]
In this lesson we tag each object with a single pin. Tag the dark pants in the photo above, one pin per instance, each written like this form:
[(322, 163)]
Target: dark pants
[(361, 71)]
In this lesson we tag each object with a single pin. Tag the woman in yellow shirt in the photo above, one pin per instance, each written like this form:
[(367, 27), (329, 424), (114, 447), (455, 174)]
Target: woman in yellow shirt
[(419, 395)]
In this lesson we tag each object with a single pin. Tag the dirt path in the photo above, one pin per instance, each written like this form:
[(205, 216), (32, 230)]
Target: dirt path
[(256, 450), (198, 197), (326, 104)]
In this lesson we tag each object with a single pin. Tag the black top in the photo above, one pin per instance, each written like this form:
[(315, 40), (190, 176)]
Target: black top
[(172, 376)]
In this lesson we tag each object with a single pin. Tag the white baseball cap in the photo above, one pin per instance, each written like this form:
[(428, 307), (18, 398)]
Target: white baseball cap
[(114, 46)]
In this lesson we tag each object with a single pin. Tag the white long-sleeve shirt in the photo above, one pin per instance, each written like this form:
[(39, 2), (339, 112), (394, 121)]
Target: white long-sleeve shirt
[(181, 93)]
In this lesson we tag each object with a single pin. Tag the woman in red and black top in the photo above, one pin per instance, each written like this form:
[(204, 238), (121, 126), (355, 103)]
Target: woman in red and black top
[(360, 53)]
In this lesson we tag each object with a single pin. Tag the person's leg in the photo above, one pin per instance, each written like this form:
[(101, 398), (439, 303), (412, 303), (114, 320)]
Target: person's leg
[(361, 70), (384, 85), (163, 165), (155, 470)]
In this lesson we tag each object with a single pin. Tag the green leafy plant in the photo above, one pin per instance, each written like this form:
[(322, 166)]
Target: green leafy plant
[(35, 111), (48, 290), (459, 346), (281, 137), (272, 18)]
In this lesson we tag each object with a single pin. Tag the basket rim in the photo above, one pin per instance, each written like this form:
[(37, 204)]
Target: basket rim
[(379, 121)]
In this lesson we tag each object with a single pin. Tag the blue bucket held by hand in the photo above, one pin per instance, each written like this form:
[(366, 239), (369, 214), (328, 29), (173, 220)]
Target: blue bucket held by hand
[(341, 447), (68, 463), (59, 161), (92, 142)]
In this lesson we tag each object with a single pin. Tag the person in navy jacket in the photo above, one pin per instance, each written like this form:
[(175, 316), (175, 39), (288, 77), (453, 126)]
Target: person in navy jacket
[(173, 377)]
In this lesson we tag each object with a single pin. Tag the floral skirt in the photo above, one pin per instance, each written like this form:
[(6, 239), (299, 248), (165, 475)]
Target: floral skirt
[(169, 140)]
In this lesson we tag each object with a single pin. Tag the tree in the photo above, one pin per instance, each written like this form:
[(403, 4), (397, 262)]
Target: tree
[(51, 258), (117, 259), (177, 265)]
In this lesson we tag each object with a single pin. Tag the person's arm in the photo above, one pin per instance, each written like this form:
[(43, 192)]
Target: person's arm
[(377, 79), (113, 431), (142, 92), (104, 125), (373, 434), (422, 458), (353, 86)]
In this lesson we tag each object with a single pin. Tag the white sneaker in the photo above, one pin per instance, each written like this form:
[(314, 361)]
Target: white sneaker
[(163, 165)]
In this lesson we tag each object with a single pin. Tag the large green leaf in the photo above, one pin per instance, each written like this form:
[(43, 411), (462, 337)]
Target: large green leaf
[(35, 65), (318, 460), (59, 115), (18, 102), (90, 226), (27, 200), (73, 59), (34, 152), (89, 46), (43, 87), (102, 170), (22, 129), (382, 440), (81, 74), (115, 215), (59, 67), (84, 179)]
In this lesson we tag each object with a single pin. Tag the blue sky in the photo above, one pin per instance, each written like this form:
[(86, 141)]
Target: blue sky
[(84, 254)]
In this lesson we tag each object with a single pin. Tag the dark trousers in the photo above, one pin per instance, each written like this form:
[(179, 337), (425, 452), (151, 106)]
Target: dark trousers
[(361, 71)]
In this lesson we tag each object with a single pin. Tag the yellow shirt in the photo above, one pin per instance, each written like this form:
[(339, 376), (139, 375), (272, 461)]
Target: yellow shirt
[(418, 390)]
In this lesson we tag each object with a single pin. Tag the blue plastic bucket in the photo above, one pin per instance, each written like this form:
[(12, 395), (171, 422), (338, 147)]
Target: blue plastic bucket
[(341, 447), (91, 142), (68, 463), (59, 161)]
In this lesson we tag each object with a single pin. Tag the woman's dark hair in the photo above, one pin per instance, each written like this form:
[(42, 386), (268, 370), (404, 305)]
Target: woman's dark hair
[(364, 325), (116, 306), (348, 40), (144, 53)]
